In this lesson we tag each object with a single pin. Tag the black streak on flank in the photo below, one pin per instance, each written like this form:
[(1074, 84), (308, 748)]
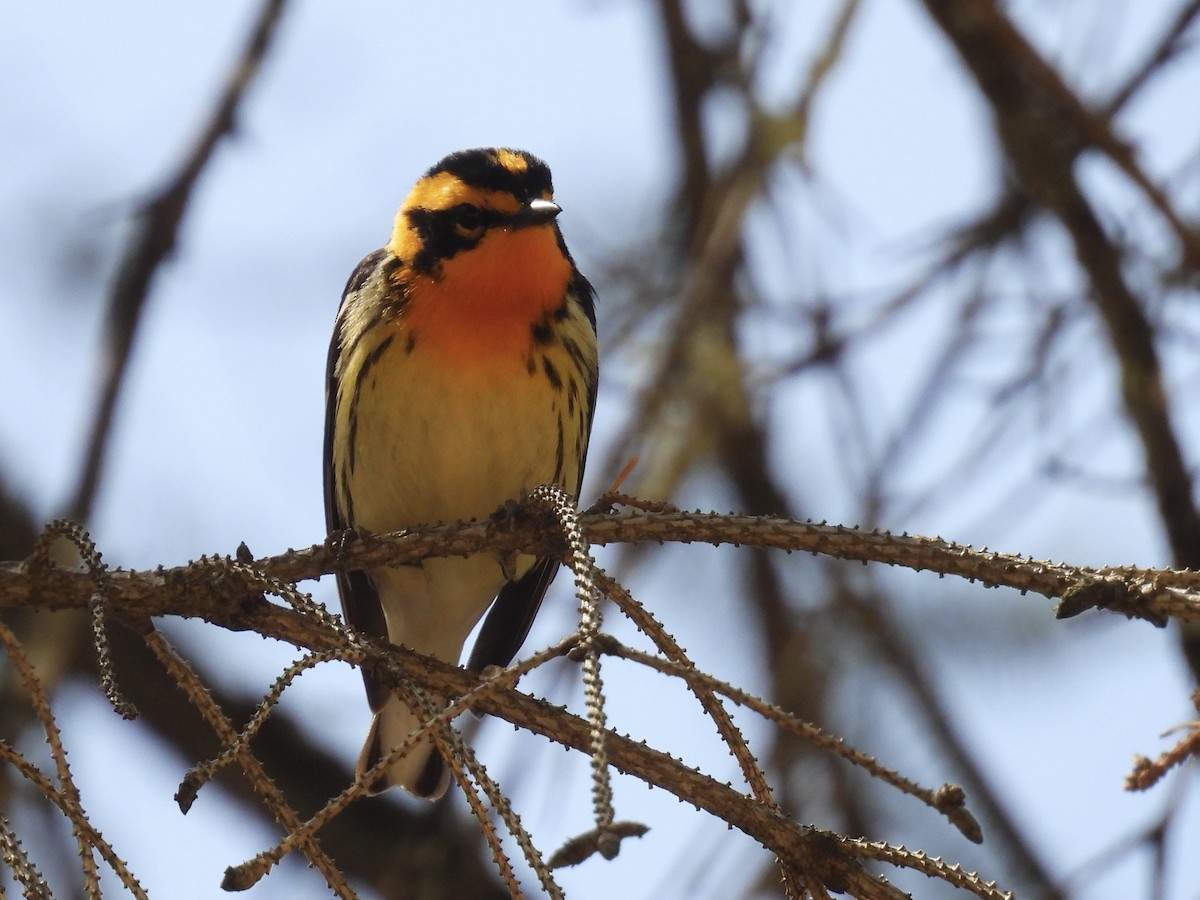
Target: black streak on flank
[(552, 374), (343, 499), (350, 349), (572, 395), (410, 343), (575, 353), (351, 449), (543, 334), (584, 293), (372, 358), (558, 454)]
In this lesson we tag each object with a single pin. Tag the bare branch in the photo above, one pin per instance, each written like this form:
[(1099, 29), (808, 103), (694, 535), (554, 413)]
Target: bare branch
[(271, 795), (41, 707), (70, 808), (153, 241), (809, 855), (1168, 48), (224, 592), (1147, 773), (1044, 127)]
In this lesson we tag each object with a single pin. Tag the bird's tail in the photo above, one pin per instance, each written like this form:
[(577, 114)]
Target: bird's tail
[(421, 771)]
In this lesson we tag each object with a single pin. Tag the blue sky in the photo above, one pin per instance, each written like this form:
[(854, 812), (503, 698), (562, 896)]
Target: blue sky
[(218, 439)]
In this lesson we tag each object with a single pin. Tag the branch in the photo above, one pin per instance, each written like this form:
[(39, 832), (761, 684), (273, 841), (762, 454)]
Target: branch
[(152, 243), (1044, 127), (832, 860), (1169, 47), (215, 590), (381, 844), (817, 857), (233, 595)]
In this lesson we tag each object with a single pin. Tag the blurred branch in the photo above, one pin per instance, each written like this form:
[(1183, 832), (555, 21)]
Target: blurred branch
[(694, 73), (1168, 48), (1043, 124), (1043, 128), (154, 238), (17, 528), (887, 636), (698, 405)]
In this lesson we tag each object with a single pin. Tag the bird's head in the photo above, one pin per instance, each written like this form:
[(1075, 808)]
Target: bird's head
[(483, 219)]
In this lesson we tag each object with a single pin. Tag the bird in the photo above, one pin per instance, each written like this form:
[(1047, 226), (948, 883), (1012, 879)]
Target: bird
[(462, 374)]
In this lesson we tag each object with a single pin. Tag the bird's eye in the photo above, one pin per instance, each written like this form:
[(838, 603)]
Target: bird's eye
[(468, 217)]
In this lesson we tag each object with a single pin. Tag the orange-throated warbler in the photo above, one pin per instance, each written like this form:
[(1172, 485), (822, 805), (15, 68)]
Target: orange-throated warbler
[(462, 374)]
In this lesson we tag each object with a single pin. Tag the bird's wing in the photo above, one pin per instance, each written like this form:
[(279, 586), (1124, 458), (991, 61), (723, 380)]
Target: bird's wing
[(508, 621), (360, 599)]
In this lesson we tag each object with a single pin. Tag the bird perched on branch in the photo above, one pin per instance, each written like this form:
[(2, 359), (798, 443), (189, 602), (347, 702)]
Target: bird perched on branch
[(462, 374)]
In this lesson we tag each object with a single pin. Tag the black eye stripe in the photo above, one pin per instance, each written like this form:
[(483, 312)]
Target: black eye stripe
[(432, 220), (441, 237), (468, 216)]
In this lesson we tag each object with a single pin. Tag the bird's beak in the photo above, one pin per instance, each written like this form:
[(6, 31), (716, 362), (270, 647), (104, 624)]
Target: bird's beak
[(535, 212)]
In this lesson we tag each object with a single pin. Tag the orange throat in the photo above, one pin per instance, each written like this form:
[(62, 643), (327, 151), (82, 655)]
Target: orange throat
[(486, 299)]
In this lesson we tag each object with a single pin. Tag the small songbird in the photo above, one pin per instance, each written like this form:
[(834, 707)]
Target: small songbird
[(462, 374)]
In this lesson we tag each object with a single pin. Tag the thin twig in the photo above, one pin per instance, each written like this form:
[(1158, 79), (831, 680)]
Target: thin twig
[(933, 866), (13, 855), (490, 835), (508, 815), (88, 557), (583, 567), (250, 872), (198, 695), (1168, 47), (203, 772), (76, 816), (41, 707), (1147, 773), (697, 683), (948, 799), (154, 239)]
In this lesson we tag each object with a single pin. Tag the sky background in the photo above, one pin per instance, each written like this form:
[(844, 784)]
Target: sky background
[(218, 437)]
